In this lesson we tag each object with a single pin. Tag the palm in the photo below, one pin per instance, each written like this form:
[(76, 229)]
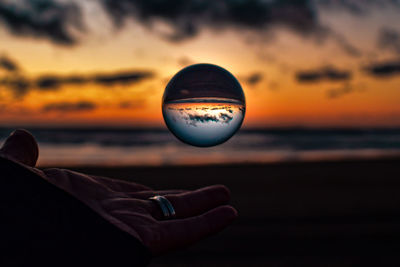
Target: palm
[(126, 205)]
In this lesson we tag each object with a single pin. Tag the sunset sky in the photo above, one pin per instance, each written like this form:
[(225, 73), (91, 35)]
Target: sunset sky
[(102, 62)]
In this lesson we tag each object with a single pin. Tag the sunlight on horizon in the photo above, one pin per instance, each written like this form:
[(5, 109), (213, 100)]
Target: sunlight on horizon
[(337, 68)]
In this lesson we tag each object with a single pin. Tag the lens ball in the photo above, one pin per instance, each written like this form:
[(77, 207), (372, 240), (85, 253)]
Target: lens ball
[(203, 105)]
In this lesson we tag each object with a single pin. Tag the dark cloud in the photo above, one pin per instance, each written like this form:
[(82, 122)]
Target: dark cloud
[(187, 18), (203, 118), (193, 119), (357, 7), (127, 77), (52, 82), (48, 82), (254, 78), (69, 106), (345, 89), (354, 7), (389, 39), (323, 74), (132, 104), (338, 92), (54, 19), (225, 117), (21, 85), (18, 84), (8, 64), (42, 18), (384, 69)]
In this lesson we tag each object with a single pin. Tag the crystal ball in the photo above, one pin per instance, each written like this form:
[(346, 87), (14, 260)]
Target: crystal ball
[(203, 105)]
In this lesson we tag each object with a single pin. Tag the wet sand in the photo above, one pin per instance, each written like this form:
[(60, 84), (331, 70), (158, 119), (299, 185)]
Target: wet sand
[(336, 213)]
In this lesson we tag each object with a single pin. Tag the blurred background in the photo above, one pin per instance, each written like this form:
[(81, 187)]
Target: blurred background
[(314, 171), (321, 78)]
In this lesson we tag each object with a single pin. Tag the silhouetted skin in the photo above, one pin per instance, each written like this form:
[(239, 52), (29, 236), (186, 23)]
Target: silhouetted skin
[(125, 205)]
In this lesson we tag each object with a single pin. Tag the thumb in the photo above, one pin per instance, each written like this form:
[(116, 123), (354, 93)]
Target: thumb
[(21, 146)]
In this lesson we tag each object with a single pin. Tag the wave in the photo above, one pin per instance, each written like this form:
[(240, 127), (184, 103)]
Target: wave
[(129, 146)]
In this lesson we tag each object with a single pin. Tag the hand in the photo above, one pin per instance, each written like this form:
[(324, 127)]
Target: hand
[(199, 213)]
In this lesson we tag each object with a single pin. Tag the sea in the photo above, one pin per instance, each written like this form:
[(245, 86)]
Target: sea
[(157, 147)]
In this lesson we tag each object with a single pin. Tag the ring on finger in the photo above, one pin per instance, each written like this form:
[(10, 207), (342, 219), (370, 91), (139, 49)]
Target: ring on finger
[(165, 205)]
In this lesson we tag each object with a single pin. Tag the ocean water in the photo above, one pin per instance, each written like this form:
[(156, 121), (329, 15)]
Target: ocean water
[(64, 147)]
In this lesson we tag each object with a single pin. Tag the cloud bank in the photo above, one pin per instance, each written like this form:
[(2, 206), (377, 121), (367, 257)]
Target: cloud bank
[(8, 64), (389, 39), (49, 19), (323, 74), (55, 20), (254, 78), (69, 106), (384, 69), (21, 85), (188, 17)]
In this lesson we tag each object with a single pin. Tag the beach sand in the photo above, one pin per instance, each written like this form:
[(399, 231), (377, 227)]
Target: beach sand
[(333, 213)]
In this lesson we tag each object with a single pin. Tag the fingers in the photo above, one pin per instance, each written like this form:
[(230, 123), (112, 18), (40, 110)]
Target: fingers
[(120, 185), (21, 146), (147, 194), (196, 202), (200, 213), (124, 204), (180, 233), (186, 204)]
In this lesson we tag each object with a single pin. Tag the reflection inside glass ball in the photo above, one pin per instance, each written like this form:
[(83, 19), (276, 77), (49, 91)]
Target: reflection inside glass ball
[(203, 105), (204, 121)]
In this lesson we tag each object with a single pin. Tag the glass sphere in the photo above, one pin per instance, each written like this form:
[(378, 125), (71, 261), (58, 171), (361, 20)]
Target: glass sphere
[(203, 105)]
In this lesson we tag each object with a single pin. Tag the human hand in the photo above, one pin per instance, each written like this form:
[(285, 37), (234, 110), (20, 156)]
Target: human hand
[(199, 213)]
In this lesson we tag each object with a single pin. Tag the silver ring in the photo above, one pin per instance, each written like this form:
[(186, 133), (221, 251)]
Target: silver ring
[(166, 206)]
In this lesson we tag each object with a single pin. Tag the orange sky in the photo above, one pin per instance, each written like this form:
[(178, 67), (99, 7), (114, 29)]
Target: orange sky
[(276, 98)]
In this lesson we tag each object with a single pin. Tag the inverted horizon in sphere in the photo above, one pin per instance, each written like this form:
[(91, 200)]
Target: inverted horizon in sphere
[(203, 105)]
